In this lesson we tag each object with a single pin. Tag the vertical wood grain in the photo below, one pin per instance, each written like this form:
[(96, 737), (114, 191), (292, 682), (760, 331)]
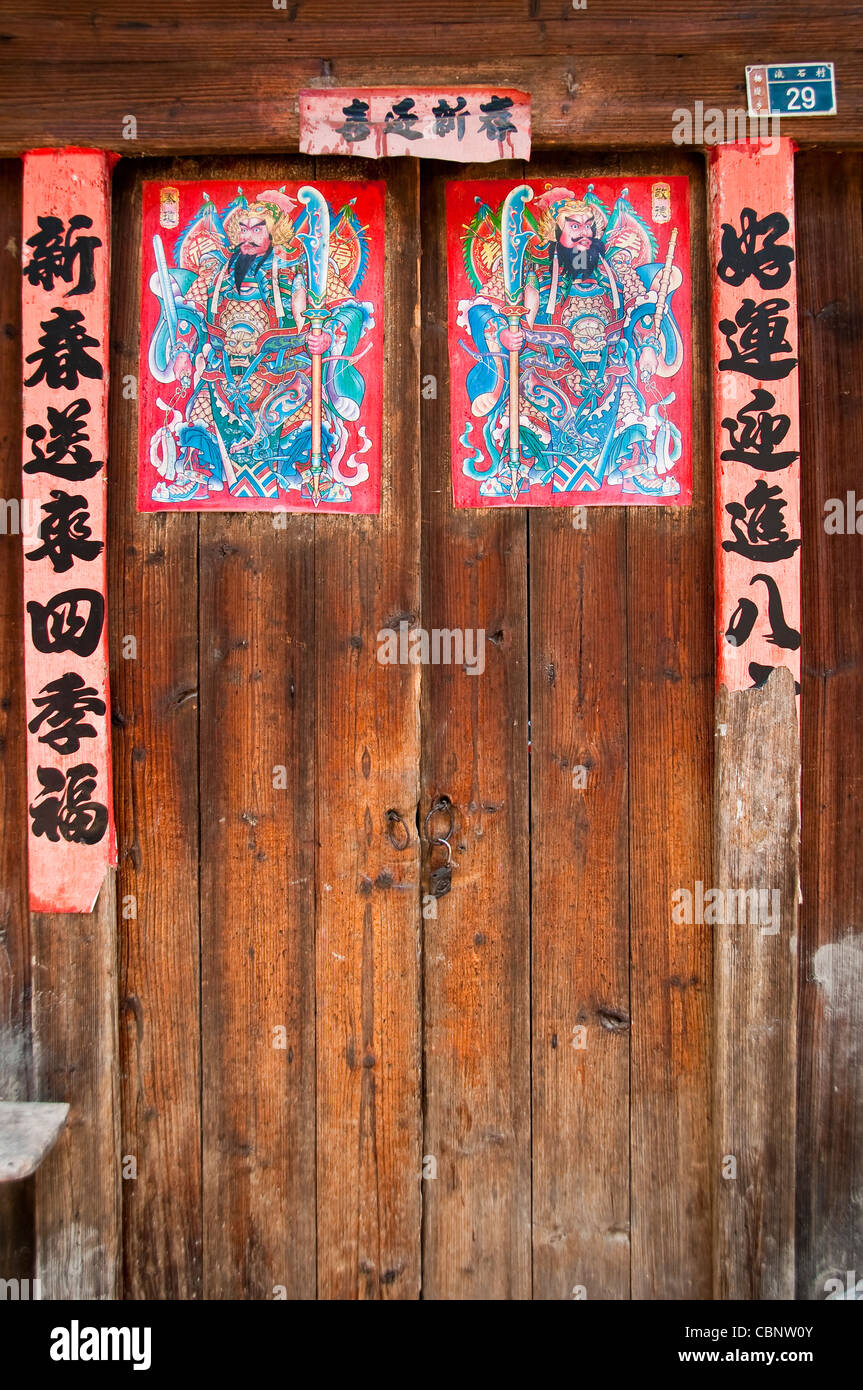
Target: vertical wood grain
[(476, 947), (153, 587), (580, 897), (670, 691), (830, 1158), (75, 1053), (758, 752), (367, 748), (257, 665)]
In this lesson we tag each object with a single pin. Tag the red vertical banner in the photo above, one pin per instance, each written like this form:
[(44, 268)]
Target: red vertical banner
[(756, 412), (65, 289)]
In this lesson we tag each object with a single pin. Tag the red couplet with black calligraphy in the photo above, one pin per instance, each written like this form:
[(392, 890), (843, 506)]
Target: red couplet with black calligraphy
[(65, 390), (757, 436)]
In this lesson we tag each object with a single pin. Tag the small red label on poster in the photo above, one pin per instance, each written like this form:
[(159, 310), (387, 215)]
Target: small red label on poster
[(261, 347), (65, 349), (569, 342)]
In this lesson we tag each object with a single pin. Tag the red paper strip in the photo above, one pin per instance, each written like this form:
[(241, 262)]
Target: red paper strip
[(65, 389), (473, 125), (756, 415)]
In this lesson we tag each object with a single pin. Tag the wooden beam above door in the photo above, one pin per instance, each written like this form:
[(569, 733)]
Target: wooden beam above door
[(608, 75)]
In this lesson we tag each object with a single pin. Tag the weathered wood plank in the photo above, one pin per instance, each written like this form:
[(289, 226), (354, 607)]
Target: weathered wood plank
[(580, 893), (257, 644), (830, 1159), (17, 1229), (454, 30), (153, 585), (257, 925), (669, 615), (75, 1049), (756, 842), (367, 873), (476, 1221), (181, 107), (580, 906), (16, 1204)]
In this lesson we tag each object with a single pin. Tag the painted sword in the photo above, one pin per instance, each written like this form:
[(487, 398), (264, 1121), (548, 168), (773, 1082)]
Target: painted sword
[(165, 285), (514, 239), (316, 242)]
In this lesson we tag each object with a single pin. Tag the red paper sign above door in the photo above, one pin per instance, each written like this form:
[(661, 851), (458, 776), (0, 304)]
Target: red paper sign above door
[(473, 125), (261, 347), (570, 342)]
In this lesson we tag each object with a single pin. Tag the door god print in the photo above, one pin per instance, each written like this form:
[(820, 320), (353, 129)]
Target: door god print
[(570, 344), (261, 347)]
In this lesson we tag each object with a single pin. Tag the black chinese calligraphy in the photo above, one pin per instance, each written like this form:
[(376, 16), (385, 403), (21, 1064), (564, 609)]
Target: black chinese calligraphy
[(759, 675), (66, 438), (755, 433), (403, 120), (65, 532), (62, 705), (745, 615), (758, 526), (61, 357), (57, 253), (70, 621), (63, 808), (356, 126), (496, 121), (741, 256), (762, 345), (449, 118)]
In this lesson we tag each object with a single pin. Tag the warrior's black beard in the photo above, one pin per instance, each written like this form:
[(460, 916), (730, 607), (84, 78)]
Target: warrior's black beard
[(245, 265), (578, 263)]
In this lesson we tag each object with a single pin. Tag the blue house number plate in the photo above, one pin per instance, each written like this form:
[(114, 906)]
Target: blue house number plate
[(791, 89)]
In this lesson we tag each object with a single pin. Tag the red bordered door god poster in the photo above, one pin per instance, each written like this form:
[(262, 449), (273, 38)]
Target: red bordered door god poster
[(570, 342), (261, 346)]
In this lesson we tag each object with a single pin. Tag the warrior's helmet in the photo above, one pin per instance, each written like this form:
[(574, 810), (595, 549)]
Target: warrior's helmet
[(274, 206), (557, 204)]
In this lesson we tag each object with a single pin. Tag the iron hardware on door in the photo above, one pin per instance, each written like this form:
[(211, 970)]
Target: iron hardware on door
[(441, 872)]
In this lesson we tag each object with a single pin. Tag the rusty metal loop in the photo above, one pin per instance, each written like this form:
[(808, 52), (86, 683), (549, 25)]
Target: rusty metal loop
[(440, 804), (395, 818)]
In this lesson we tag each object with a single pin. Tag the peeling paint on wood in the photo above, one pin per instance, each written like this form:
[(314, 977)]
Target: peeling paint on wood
[(28, 1131)]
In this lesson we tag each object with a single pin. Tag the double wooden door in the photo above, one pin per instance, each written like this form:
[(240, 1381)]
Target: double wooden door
[(295, 1070)]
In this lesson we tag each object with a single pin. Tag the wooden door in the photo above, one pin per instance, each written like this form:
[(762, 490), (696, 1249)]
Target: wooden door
[(269, 988), (508, 1097), (567, 1022), (424, 1036)]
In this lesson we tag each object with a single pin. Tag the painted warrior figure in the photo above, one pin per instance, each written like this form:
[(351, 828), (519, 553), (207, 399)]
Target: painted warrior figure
[(262, 392), (571, 328)]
